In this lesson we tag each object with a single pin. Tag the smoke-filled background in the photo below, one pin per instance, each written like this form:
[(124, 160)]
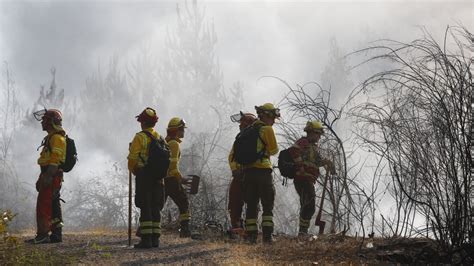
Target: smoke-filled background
[(102, 62)]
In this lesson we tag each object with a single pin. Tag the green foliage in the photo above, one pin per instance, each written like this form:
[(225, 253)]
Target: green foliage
[(13, 252)]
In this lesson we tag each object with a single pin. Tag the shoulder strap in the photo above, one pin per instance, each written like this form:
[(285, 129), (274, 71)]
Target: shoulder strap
[(149, 134)]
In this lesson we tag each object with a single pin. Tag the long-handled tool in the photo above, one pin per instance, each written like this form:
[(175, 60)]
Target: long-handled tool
[(318, 222), (129, 208)]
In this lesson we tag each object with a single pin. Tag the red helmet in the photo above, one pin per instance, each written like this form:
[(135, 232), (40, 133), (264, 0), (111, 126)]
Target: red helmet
[(147, 116), (49, 116), (245, 119)]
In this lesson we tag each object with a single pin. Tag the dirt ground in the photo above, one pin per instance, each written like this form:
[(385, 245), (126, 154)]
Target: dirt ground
[(110, 248)]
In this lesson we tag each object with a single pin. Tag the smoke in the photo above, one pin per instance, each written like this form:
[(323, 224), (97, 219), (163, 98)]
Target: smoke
[(254, 39)]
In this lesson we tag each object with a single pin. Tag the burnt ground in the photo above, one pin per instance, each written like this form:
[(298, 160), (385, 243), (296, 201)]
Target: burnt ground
[(110, 247)]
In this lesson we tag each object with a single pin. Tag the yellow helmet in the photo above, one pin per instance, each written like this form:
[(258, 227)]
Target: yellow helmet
[(268, 108), (176, 123), (314, 126)]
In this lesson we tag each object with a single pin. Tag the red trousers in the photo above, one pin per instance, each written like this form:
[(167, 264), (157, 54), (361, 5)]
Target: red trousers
[(48, 198), (236, 202)]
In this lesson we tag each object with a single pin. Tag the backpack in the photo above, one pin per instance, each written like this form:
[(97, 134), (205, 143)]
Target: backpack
[(286, 165), (158, 157), (71, 153), (245, 145)]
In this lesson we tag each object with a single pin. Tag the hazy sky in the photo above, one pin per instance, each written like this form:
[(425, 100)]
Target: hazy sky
[(288, 39)]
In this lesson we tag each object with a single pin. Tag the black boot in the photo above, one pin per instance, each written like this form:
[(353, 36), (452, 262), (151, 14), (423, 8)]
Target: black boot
[(251, 238), (184, 230), (39, 239), (155, 240), (145, 242), (267, 235), (56, 235)]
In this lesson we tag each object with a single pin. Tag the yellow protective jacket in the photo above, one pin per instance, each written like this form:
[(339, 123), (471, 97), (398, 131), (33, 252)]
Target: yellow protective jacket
[(232, 163), (175, 155), (271, 147), (54, 149), (138, 151)]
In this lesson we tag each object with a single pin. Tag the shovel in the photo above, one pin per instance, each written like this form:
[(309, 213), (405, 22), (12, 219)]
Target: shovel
[(318, 222), (191, 183)]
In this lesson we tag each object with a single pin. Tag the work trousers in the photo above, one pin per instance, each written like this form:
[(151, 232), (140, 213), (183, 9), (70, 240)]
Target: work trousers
[(174, 189), (236, 201), (48, 205), (307, 194), (258, 186), (149, 197)]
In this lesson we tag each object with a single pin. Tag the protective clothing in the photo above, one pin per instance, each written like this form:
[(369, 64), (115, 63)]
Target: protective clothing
[(258, 185), (236, 197), (267, 142), (314, 126), (176, 123), (308, 160), (173, 186), (268, 108), (48, 206), (245, 119), (149, 191), (51, 117), (148, 116), (307, 194), (138, 152)]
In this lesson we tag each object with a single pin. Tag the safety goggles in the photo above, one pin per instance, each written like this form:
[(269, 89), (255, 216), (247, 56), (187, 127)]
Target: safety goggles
[(275, 112), (236, 117), (182, 124), (39, 114)]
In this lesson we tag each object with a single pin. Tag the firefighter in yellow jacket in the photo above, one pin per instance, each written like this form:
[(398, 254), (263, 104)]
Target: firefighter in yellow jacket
[(53, 154), (149, 190), (258, 180), (173, 183)]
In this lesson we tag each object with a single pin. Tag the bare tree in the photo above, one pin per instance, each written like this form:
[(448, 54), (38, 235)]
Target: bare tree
[(418, 123), (304, 104), (10, 117)]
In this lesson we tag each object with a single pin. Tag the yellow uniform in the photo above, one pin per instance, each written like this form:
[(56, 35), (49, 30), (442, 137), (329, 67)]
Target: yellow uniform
[(258, 184), (54, 149), (175, 155), (173, 186), (138, 151), (271, 147)]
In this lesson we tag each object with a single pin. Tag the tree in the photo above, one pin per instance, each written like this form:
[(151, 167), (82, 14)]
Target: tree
[(190, 77), (419, 126)]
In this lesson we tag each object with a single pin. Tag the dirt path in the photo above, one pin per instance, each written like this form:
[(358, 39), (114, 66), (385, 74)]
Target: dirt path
[(110, 248)]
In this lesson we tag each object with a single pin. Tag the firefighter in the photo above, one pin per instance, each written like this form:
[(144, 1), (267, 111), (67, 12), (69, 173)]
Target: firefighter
[(258, 180), (236, 201), (308, 160), (173, 182), (149, 190), (48, 185)]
